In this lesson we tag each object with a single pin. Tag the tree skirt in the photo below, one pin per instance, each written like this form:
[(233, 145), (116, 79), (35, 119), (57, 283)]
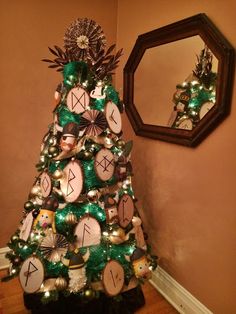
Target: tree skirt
[(131, 301)]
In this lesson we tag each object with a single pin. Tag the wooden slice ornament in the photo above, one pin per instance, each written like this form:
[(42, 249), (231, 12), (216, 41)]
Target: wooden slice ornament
[(45, 184), (88, 232), (72, 182), (186, 124), (125, 210), (113, 117), (31, 274), (205, 108), (26, 227), (113, 278), (77, 100), (104, 164)]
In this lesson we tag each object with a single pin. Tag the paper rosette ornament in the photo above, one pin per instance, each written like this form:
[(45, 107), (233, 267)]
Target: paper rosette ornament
[(53, 247), (82, 37), (93, 122)]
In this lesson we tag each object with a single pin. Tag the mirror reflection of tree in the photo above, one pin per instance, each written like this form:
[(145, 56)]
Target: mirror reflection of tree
[(196, 95)]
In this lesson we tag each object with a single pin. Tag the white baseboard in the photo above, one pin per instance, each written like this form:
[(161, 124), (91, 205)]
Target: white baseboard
[(175, 294), (172, 291), (4, 263)]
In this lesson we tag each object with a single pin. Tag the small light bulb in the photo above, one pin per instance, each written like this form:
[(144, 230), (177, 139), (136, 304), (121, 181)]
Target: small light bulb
[(47, 294)]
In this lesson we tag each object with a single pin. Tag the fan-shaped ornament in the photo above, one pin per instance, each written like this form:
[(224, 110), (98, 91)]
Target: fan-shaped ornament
[(53, 247), (94, 122), (83, 39)]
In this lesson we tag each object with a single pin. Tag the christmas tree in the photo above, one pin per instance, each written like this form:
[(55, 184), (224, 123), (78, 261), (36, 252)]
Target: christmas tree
[(81, 235), (196, 95)]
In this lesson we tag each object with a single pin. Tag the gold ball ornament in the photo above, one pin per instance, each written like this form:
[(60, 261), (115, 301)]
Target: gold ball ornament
[(28, 206), (71, 219), (92, 195), (120, 143), (117, 236), (87, 155), (60, 283), (58, 174), (35, 191), (53, 151), (14, 237), (52, 141), (89, 293)]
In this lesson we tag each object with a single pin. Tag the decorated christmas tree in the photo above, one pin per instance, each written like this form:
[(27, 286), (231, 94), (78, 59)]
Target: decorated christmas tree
[(81, 236), (196, 95)]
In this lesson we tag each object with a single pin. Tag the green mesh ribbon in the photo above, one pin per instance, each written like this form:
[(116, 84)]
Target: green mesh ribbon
[(66, 116), (112, 94), (55, 269), (91, 180), (98, 104), (74, 72), (79, 210)]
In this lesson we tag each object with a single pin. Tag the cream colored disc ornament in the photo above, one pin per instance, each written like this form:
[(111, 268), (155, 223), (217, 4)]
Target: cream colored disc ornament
[(45, 184), (113, 117), (125, 210), (104, 164), (77, 100), (72, 182), (88, 232), (26, 227), (186, 124), (205, 108), (113, 278), (31, 274)]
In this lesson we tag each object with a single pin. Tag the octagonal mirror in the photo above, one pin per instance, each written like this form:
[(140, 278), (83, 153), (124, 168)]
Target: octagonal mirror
[(178, 81)]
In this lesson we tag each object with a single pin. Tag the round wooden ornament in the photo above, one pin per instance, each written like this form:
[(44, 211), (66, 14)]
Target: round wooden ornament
[(205, 108), (45, 184), (72, 182), (77, 100), (26, 227), (186, 124), (113, 278), (125, 210), (113, 117), (104, 164), (31, 274), (88, 232)]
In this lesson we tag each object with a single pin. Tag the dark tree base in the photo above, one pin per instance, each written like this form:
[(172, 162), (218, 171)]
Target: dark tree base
[(131, 301)]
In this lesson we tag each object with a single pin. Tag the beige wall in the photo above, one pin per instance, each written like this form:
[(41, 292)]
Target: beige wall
[(28, 27), (187, 195)]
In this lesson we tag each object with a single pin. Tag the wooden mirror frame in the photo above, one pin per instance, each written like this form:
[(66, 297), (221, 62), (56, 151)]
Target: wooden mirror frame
[(196, 25)]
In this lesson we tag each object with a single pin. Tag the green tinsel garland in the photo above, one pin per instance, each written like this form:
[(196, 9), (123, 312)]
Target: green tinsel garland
[(66, 116)]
